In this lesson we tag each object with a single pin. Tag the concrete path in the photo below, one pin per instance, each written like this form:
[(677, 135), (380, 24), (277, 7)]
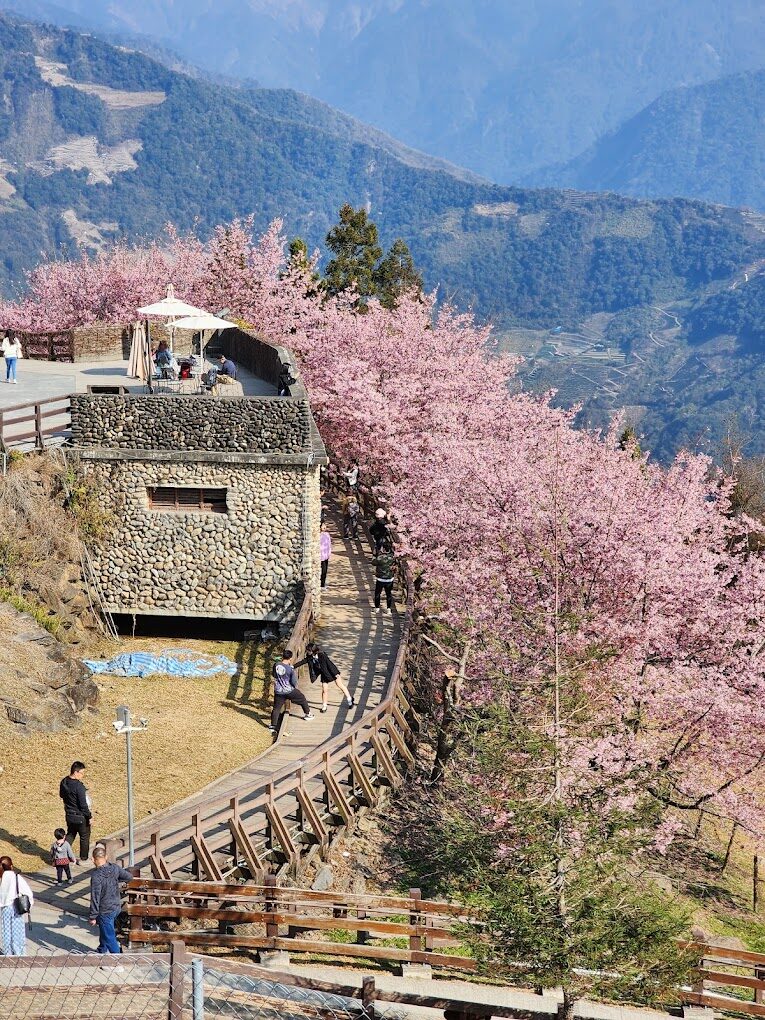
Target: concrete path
[(41, 380), (361, 642)]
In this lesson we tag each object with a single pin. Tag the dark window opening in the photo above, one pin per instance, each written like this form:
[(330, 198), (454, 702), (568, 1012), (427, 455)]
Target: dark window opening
[(187, 499)]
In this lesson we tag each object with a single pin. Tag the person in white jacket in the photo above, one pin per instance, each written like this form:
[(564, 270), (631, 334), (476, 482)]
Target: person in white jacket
[(12, 885), (11, 349)]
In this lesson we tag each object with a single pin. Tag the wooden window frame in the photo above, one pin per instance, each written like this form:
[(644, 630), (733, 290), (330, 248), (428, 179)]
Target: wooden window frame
[(180, 499)]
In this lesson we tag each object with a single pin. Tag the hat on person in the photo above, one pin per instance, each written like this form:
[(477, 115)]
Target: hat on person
[(379, 512)]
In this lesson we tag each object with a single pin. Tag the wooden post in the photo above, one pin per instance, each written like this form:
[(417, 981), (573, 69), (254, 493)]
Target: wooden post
[(271, 905), (38, 428), (195, 869), (755, 881), (234, 816), (729, 848), (368, 997), (175, 997), (415, 941)]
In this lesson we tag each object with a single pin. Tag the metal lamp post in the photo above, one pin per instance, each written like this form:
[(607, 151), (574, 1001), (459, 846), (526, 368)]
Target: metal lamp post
[(122, 725)]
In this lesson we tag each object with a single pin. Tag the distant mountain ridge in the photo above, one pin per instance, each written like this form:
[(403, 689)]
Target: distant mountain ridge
[(706, 141), (99, 142), (502, 88)]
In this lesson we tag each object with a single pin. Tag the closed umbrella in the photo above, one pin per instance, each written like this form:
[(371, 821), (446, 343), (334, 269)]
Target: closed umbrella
[(137, 365)]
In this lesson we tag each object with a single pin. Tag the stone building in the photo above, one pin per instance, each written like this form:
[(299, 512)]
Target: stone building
[(215, 500)]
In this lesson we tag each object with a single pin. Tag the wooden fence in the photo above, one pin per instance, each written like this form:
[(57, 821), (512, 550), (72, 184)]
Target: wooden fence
[(736, 977), (366, 925), (40, 424), (283, 823)]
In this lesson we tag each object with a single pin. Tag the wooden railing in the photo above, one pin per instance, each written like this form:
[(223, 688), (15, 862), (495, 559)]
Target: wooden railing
[(284, 916), (283, 823), (729, 969), (41, 424)]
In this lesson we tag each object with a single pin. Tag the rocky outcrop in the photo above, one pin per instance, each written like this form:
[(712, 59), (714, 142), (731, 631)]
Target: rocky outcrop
[(43, 686)]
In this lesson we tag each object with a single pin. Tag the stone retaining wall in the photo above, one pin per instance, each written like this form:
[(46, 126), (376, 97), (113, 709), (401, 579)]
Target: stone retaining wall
[(246, 563), (183, 423)]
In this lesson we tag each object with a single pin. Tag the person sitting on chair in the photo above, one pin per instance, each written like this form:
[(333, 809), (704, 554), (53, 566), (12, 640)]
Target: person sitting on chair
[(227, 370), (164, 356)]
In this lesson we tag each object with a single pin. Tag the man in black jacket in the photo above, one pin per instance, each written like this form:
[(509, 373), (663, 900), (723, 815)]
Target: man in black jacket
[(106, 900), (76, 808)]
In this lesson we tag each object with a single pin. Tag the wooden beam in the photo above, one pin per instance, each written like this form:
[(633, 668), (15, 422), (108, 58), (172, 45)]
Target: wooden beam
[(205, 858), (281, 831), (359, 774), (245, 847), (385, 761), (337, 797), (311, 815)]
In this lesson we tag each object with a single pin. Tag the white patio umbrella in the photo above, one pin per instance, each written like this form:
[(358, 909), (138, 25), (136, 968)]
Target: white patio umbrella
[(201, 322), (172, 307)]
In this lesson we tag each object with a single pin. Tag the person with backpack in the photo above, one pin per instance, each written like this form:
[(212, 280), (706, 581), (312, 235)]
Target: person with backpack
[(321, 667), (286, 689), (385, 574), (16, 900), (77, 811), (380, 530), (106, 900), (350, 517)]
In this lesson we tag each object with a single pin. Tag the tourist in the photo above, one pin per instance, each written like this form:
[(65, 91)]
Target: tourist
[(286, 379), (321, 667), (106, 900), (350, 517), (379, 530), (227, 370), (351, 475), (325, 551), (384, 563), (77, 811), (12, 919), (286, 689), (164, 356), (11, 349), (61, 854)]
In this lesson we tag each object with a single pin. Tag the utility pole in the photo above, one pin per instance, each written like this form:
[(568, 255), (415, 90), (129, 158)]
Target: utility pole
[(122, 725)]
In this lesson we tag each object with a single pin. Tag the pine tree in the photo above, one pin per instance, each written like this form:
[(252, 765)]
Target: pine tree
[(396, 275), (357, 252)]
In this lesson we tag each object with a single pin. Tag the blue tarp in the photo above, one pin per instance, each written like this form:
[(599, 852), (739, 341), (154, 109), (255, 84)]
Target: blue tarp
[(172, 662)]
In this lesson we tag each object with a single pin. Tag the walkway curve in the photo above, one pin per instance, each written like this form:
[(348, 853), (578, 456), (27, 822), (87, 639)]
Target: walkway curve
[(366, 647)]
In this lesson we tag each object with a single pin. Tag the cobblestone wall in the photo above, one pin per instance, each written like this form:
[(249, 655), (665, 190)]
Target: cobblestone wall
[(165, 422), (247, 562)]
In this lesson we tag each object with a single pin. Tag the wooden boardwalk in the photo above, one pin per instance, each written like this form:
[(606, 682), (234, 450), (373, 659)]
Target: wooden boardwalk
[(364, 645)]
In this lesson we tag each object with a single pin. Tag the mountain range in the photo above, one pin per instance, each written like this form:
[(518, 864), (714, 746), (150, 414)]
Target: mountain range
[(504, 89), (613, 300), (706, 141)]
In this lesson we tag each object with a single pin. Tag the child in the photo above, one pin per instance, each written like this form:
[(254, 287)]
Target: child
[(61, 854)]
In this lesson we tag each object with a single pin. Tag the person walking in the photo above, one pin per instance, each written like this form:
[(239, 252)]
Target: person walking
[(286, 689), (350, 517), (12, 921), (380, 530), (106, 900), (61, 855), (11, 349), (321, 667), (385, 569), (325, 551), (77, 811)]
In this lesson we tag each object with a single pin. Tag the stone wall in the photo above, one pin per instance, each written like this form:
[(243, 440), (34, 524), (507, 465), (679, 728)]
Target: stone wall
[(246, 563), (183, 423), (102, 341)]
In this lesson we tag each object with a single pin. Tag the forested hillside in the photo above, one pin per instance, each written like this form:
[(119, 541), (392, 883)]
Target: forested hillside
[(704, 142), (98, 143), (504, 88)]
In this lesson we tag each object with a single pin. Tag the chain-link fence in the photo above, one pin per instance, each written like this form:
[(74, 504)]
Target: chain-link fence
[(165, 987)]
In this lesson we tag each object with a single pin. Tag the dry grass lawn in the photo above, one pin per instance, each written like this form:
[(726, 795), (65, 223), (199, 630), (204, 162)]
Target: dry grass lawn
[(198, 730)]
